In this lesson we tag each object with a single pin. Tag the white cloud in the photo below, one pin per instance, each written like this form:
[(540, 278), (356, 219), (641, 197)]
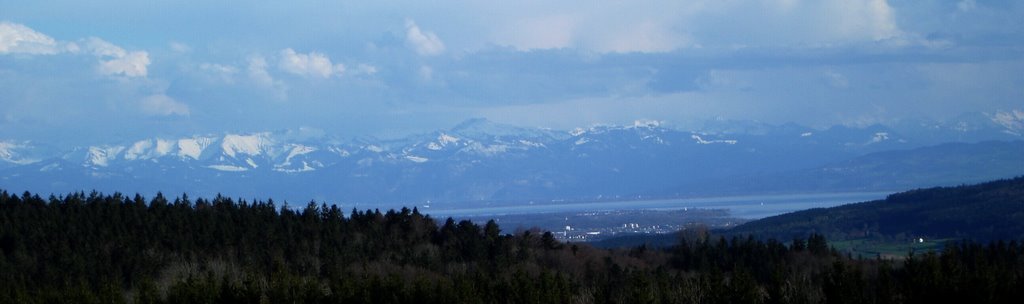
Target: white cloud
[(425, 43), (222, 72), (102, 48), (613, 27), (179, 47), (364, 69), (546, 32), (309, 65), (163, 105), (19, 39), (873, 19), (114, 60), (258, 73), (132, 65), (642, 37)]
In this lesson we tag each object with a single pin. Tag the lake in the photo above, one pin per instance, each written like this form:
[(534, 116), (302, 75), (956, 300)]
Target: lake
[(748, 207)]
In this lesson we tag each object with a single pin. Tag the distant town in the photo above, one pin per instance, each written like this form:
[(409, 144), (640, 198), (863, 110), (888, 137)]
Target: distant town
[(599, 225)]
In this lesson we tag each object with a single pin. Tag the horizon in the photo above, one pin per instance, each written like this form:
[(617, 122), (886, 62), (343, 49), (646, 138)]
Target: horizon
[(1010, 121)]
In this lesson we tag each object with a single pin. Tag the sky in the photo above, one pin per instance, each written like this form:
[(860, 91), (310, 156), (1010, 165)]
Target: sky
[(88, 71)]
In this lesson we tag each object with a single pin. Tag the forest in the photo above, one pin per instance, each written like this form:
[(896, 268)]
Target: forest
[(113, 248), (984, 212)]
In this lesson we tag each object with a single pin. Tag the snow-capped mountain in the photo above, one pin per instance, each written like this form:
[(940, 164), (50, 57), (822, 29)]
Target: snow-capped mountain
[(477, 160), (16, 153)]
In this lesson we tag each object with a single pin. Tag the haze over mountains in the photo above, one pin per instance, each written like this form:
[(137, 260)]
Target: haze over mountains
[(482, 161)]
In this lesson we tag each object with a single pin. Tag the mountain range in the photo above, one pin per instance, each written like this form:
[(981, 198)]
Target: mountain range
[(479, 161)]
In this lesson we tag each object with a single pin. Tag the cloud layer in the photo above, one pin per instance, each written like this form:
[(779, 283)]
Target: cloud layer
[(370, 68)]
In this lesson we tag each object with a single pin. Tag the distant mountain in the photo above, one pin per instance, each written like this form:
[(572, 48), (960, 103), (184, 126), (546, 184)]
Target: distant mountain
[(987, 211), (480, 161)]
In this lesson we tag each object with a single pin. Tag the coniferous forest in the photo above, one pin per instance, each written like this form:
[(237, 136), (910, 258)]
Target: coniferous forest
[(95, 248)]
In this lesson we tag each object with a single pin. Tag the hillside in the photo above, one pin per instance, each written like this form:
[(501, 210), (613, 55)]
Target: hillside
[(988, 211)]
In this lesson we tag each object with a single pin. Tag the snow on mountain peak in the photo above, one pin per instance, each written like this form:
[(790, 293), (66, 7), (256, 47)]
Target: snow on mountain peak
[(244, 144), (298, 150), (577, 132), (148, 149), (101, 155), (9, 153), (193, 147), (416, 159), (528, 143), (489, 150), (228, 168), (339, 151), (445, 139), (702, 141), (6, 150), (1013, 120), (138, 150), (879, 137)]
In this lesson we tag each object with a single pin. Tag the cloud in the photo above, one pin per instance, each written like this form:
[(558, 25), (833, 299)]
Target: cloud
[(364, 69), (163, 105), (642, 37), (591, 31), (132, 65), (872, 18), (221, 72), (102, 48), (179, 47), (309, 65), (19, 39), (257, 71), (425, 43), (667, 26), (114, 60), (545, 32)]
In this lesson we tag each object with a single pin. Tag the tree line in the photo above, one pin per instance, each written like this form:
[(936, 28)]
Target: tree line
[(96, 248)]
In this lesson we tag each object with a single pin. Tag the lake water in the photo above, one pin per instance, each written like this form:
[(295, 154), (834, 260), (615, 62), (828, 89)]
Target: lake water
[(748, 207)]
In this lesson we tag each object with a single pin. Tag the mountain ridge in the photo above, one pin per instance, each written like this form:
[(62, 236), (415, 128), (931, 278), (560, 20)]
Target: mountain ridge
[(476, 161)]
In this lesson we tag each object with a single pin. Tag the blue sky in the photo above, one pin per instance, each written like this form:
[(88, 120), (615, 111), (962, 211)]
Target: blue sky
[(116, 70)]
